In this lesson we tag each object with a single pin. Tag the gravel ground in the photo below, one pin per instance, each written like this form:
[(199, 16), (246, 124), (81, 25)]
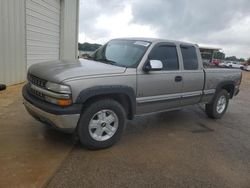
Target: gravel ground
[(173, 149)]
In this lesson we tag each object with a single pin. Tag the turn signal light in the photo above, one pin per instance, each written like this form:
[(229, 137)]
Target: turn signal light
[(60, 102), (64, 102)]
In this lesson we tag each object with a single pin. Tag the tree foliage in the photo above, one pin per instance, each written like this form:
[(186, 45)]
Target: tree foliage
[(88, 46), (248, 61), (219, 55), (234, 58)]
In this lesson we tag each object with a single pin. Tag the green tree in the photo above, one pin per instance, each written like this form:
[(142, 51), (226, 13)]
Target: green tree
[(219, 55), (88, 46), (231, 58), (234, 58), (242, 60), (248, 61)]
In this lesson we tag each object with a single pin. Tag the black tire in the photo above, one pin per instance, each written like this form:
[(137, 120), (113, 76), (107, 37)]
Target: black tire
[(2, 87), (211, 108), (83, 125)]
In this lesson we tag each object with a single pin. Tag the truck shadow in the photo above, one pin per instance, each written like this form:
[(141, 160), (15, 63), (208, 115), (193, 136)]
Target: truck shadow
[(55, 137), (190, 120)]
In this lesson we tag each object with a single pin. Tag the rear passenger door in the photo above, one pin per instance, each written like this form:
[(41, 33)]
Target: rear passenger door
[(192, 74)]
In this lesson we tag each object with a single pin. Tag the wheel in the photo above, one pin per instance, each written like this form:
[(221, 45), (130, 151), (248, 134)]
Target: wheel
[(217, 108), (101, 124)]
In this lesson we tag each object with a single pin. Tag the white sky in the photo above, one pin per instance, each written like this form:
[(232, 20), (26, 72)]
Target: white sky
[(117, 25), (222, 24)]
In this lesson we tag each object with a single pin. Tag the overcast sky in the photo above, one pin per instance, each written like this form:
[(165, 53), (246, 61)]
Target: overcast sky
[(215, 23)]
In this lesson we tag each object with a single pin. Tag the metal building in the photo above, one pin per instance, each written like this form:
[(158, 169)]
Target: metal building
[(33, 31)]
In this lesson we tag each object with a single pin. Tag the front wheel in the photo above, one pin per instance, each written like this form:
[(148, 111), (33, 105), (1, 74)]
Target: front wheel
[(217, 108), (101, 124)]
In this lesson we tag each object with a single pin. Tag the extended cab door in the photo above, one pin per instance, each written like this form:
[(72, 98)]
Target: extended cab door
[(192, 75), (160, 89)]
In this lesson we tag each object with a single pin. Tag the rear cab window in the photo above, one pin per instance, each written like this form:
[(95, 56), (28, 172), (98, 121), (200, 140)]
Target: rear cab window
[(189, 56)]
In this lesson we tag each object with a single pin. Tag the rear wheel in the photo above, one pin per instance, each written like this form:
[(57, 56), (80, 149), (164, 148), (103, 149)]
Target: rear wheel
[(101, 124), (217, 108)]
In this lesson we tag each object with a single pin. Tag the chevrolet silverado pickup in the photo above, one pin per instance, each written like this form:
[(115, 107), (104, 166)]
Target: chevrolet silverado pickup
[(94, 97)]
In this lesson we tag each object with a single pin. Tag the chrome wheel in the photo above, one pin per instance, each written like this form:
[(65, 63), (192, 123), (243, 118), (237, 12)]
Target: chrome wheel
[(103, 125), (221, 104)]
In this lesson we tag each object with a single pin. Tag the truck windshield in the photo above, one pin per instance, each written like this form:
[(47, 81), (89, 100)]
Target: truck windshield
[(124, 53)]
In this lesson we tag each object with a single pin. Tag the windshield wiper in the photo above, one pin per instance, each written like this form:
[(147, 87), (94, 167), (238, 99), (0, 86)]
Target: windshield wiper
[(107, 61)]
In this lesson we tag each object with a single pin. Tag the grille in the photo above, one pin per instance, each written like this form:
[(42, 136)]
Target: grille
[(37, 81), (36, 93)]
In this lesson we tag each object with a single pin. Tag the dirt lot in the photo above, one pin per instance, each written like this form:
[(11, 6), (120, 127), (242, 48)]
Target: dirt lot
[(174, 149)]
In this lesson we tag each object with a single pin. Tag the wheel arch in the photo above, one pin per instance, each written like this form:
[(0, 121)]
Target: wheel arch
[(125, 95), (229, 86)]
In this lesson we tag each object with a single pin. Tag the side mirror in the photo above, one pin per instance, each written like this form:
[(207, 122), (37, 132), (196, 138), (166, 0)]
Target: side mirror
[(153, 65)]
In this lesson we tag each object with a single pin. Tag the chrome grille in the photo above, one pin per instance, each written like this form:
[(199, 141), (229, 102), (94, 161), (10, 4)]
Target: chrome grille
[(37, 93), (37, 81)]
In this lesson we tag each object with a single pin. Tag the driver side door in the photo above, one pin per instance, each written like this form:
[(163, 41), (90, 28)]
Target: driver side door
[(159, 90)]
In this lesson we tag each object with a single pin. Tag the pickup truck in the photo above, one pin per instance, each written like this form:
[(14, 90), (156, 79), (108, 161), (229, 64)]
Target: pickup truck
[(126, 77)]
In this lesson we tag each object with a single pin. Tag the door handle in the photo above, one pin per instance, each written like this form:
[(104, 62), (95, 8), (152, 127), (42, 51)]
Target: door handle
[(178, 78)]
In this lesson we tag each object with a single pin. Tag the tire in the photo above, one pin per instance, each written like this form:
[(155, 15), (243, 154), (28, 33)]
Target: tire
[(213, 109), (101, 124), (2, 87)]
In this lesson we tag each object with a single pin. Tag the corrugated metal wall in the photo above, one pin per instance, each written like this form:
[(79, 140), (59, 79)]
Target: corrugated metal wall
[(42, 30), (12, 41)]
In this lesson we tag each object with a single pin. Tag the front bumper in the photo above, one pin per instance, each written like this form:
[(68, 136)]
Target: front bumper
[(64, 119)]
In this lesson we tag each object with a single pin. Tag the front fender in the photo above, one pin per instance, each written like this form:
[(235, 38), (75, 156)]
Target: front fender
[(86, 94)]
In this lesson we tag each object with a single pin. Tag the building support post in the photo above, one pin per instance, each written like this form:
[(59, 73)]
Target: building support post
[(69, 29)]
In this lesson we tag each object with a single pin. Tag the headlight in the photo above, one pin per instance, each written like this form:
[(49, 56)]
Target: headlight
[(58, 88), (63, 98)]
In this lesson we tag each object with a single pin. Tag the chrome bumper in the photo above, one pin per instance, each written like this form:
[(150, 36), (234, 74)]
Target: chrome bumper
[(65, 123)]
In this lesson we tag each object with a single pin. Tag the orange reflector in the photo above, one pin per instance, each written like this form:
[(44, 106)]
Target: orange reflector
[(64, 102)]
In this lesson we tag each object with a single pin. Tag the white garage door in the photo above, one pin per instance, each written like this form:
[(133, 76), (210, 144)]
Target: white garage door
[(42, 30)]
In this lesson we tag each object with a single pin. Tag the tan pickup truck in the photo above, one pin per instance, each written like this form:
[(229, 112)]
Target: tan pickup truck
[(125, 77)]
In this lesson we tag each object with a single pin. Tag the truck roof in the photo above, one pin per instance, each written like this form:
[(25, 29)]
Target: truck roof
[(155, 40), (210, 48)]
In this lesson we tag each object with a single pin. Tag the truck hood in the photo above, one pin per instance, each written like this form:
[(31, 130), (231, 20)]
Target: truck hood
[(58, 71)]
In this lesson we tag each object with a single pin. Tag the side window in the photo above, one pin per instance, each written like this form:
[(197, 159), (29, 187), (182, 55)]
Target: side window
[(167, 55), (190, 60)]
